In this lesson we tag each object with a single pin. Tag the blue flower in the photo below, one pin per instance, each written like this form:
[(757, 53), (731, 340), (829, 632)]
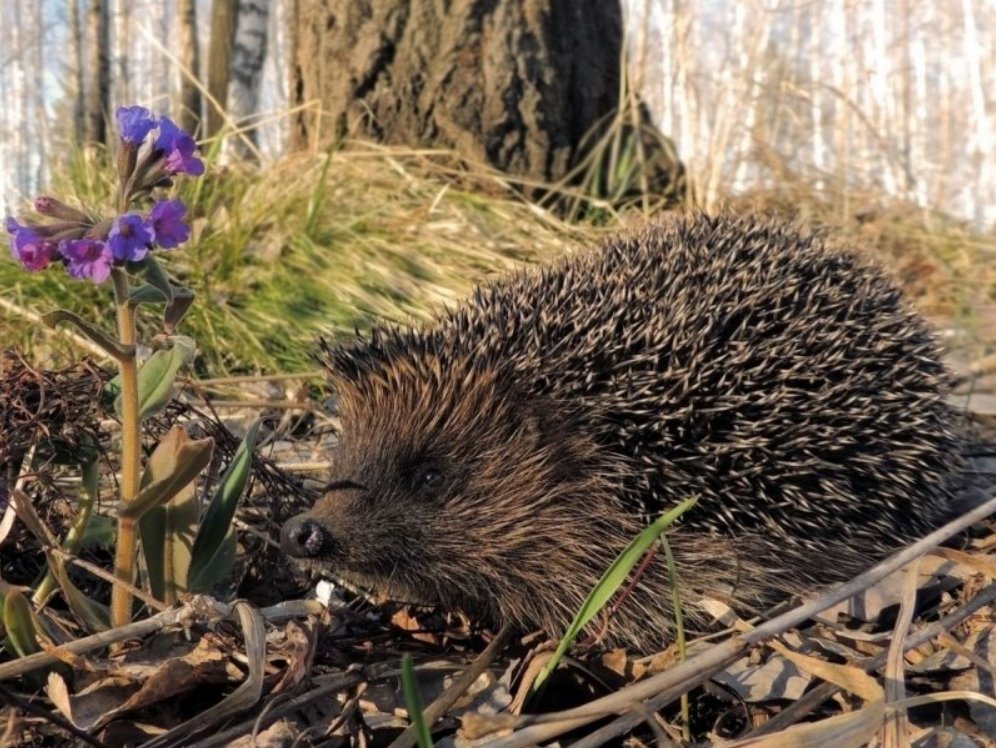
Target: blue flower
[(129, 238), (166, 219), (179, 149), (87, 258), (135, 123)]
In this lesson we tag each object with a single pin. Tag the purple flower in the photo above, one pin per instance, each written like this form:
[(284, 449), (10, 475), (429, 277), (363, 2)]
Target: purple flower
[(29, 248), (12, 225), (179, 149), (87, 258), (129, 238), (135, 123), (167, 223)]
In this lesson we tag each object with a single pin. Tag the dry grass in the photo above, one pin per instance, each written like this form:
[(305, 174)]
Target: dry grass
[(331, 242)]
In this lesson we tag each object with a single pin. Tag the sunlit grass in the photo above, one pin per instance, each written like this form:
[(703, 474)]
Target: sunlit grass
[(322, 243), (329, 242)]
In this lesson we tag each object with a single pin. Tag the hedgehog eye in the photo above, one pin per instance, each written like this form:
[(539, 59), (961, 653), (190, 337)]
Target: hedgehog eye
[(429, 478)]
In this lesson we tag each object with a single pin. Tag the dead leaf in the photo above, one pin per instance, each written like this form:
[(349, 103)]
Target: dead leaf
[(778, 678)]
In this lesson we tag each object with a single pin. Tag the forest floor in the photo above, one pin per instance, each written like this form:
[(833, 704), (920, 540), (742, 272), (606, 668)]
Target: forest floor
[(325, 244)]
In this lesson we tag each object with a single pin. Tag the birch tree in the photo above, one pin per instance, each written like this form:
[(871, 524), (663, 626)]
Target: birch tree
[(248, 55), (76, 87)]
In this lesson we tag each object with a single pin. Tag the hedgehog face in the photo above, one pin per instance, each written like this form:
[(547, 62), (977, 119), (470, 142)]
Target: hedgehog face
[(449, 487)]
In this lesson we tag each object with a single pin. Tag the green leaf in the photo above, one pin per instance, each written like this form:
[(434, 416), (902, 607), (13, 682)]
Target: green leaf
[(158, 375), (168, 530), (183, 460), (217, 521), (155, 277), (414, 703), (183, 298), (19, 620), (146, 294), (91, 332), (219, 569), (95, 617), (152, 531), (612, 580), (99, 533)]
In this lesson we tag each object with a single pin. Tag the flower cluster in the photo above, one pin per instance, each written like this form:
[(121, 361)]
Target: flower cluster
[(152, 151)]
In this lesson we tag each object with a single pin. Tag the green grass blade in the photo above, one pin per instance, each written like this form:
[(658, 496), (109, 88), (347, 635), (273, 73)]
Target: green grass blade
[(19, 621), (206, 555), (613, 578), (414, 703)]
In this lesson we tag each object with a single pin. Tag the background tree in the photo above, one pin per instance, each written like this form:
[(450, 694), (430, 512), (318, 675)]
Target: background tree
[(223, 19), (98, 90), (189, 110), (248, 55), (121, 67), (519, 85), (75, 77)]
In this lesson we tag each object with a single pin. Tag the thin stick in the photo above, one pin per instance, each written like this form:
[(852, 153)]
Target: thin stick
[(665, 687), (438, 708), (36, 319), (23, 665), (217, 381), (808, 702), (274, 404)]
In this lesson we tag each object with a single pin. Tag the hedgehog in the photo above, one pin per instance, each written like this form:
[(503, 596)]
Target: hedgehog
[(497, 459)]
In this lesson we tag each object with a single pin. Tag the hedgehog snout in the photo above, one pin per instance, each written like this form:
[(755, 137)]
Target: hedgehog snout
[(303, 537)]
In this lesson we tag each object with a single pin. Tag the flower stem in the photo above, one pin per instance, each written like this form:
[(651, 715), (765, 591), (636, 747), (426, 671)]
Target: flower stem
[(131, 450)]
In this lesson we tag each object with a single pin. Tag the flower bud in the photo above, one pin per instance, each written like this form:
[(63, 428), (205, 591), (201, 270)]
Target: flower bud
[(49, 206)]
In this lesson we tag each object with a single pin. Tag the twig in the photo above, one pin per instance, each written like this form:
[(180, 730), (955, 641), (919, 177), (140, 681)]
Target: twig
[(241, 379), (105, 575), (811, 700), (896, 727), (438, 708), (38, 660), (36, 319), (665, 687), (275, 404)]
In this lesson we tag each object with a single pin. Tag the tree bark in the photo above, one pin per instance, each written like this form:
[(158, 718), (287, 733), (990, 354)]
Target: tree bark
[(122, 46), (249, 53), (513, 83), (77, 87), (223, 15), (189, 114), (98, 78)]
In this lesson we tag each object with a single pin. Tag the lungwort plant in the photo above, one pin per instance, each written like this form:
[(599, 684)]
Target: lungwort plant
[(183, 550)]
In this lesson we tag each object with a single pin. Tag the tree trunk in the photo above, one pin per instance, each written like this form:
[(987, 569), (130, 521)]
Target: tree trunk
[(513, 83), (76, 52), (122, 46), (247, 66), (223, 15), (189, 114), (98, 78)]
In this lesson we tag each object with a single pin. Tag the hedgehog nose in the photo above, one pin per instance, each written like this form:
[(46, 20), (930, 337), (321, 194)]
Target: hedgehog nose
[(303, 537)]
